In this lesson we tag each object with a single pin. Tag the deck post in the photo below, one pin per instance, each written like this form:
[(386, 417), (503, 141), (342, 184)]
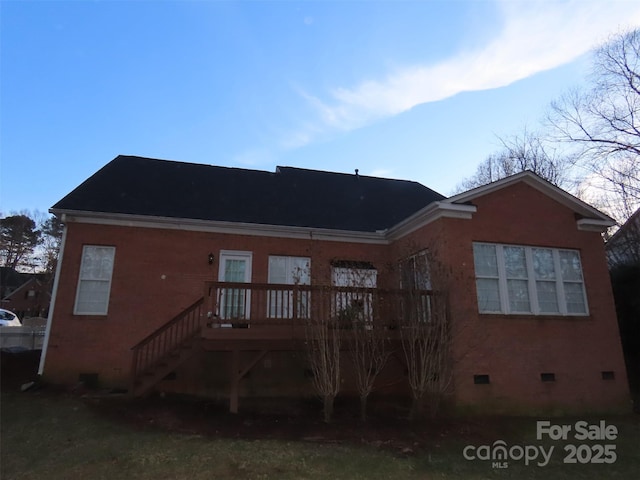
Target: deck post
[(235, 381)]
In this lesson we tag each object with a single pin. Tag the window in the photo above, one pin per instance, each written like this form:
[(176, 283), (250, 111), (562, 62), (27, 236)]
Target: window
[(350, 303), (289, 271), (415, 277), (528, 280), (94, 282), (414, 272), (235, 303)]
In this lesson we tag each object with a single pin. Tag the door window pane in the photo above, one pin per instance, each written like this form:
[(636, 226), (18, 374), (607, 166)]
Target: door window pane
[(235, 303), (234, 270)]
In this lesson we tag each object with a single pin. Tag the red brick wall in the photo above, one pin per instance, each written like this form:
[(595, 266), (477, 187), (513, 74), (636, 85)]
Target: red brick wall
[(157, 274), (514, 350)]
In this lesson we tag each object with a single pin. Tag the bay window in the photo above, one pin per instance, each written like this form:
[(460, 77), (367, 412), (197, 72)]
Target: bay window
[(512, 279)]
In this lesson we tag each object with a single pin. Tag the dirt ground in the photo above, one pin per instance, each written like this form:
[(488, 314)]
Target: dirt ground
[(387, 427)]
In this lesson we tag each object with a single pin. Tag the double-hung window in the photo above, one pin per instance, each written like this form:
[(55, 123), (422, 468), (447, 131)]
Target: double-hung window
[(94, 281), (285, 302), (529, 280)]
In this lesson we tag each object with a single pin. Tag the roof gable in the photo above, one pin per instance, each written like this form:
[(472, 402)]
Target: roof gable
[(290, 196), (461, 206), (587, 217)]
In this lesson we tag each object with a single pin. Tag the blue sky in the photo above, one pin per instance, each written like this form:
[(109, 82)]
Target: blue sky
[(404, 89)]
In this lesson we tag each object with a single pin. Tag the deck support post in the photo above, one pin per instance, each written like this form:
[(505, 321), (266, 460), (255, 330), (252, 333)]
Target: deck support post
[(237, 374), (235, 381)]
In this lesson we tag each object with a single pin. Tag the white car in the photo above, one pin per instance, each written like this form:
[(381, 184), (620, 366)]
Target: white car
[(9, 319)]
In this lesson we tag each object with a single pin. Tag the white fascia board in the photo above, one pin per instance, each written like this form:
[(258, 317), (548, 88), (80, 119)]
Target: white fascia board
[(231, 228), (593, 225), (428, 214), (592, 217)]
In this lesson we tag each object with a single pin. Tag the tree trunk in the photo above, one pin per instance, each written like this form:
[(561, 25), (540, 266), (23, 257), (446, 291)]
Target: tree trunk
[(363, 407), (417, 408), (434, 404), (328, 408)]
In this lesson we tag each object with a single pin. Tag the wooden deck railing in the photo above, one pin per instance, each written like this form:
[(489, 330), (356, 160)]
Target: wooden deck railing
[(167, 339), (244, 305), (282, 310)]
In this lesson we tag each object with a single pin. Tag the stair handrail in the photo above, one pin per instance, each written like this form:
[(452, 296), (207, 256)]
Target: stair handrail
[(192, 324)]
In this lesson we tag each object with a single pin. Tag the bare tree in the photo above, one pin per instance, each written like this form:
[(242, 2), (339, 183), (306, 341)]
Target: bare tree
[(623, 248), (50, 241), (529, 151), (323, 348), (425, 332), (602, 125), (360, 312)]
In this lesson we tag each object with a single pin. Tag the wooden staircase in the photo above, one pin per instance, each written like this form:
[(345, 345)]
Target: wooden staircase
[(164, 350)]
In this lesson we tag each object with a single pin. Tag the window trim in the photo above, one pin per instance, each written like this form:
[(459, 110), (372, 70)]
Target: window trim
[(288, 259), (109, 282), (301, 308), (415, 262), (534, 304)]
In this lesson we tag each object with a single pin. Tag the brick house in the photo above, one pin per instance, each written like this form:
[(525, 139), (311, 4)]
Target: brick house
[(26, 294), (224, 265)]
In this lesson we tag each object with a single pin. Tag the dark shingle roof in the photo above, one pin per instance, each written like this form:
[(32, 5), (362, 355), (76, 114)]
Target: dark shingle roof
[(290, 196)]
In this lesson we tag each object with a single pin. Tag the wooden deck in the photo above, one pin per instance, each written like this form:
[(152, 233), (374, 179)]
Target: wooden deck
[(258, 318)]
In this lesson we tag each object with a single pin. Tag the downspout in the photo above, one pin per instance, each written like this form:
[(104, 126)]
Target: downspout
[(56, 281)]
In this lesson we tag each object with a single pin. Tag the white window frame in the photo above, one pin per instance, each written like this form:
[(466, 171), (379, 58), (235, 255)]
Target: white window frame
[(416, 268), (415, 276), (81, 279), (354, 277), (233, 295), (280, 302), (559, 282)]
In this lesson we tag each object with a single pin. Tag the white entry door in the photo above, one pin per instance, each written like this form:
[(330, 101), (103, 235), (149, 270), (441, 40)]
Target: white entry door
[(235, 303)]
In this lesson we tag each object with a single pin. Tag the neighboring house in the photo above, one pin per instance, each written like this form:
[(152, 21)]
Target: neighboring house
[(10, 279), (623, 248), (25, 294), (199, 279), (623, 253)]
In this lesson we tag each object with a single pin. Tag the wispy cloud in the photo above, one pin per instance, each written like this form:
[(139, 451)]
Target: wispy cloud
[(253, 157), (534, 37)]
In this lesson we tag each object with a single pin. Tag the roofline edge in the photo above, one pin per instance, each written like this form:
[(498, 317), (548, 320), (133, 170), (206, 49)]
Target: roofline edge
[(213, 226)]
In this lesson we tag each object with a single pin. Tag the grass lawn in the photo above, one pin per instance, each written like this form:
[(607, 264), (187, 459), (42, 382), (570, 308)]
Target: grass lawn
[(58, 436)]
